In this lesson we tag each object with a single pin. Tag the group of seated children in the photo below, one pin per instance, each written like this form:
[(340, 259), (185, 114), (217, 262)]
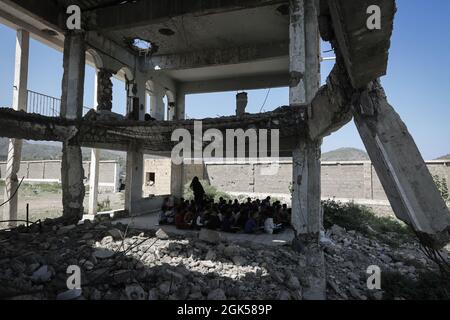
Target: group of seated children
[(229, 216)]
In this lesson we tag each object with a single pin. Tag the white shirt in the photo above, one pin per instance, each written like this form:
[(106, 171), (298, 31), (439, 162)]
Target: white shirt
[(269, 225)]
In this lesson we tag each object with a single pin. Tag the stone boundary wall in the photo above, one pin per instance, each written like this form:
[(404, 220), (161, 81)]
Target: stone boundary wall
[(342, 179), (49, 171)]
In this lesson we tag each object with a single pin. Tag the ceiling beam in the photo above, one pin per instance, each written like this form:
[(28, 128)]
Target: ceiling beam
[(216, 57), (135, 14), (262, 81)]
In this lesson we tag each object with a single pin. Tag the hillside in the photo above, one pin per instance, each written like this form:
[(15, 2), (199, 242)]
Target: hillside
[(52, 151), (345, 154), (446, 157)]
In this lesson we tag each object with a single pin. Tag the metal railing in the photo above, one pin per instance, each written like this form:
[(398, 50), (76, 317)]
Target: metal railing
[(45, 105)]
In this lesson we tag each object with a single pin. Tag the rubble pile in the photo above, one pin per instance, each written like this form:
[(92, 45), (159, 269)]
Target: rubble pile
[(121, 263)]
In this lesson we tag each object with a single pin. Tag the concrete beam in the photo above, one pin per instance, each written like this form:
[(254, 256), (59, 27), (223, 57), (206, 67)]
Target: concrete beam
[(402, 171), (365, 52), (47, 11), (118, 56), (216, 57), (139, 13), (234, 84)]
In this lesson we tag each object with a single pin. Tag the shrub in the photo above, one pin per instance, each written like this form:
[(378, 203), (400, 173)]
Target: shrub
[(429, 286), (441, 184), (362, 219), (211, 192), (105, 205)]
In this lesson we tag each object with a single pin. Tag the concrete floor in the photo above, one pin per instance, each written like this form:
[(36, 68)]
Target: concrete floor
[(150, 222)]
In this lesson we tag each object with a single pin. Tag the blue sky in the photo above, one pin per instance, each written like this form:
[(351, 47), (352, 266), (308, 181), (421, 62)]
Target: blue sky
[(417, 84)]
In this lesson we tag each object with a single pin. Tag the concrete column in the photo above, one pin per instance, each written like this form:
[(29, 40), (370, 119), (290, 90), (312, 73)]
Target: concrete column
[(138, 94), (180, 101), (72, 172), (134, 177), (95, 153), (103, 90), (306, 205), (157, 106), (15, 145), (401, 169), (171, 111), (304, 66)]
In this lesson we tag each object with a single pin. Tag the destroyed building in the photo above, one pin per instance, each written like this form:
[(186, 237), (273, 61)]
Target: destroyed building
[(231, 45)]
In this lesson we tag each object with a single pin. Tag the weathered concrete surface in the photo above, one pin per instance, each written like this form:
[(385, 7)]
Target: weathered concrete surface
[(135, 178), (15, 145), (402, 171), (72, 172), (306, 216), (104, 90), (365, 52)]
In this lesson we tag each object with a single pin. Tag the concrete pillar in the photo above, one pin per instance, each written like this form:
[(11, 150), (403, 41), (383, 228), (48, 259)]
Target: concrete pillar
[(72, 172), (306, 205), (95, 153), (180, 101), (171, 110), (304, 66), (400, 167), (135, 157), (103, 90), (134, 177), (157, 106), (15, 145)]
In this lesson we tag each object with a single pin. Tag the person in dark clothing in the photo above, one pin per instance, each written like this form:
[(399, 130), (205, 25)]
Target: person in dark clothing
[(213, 222), (250, 225), (199, 192), (227, 222)]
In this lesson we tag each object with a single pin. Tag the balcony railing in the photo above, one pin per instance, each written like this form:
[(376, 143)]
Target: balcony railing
[(45, 105)]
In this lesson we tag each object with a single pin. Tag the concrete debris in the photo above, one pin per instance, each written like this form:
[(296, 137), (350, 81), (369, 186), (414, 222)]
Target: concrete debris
[(161, 234), (43, 274), (188, 268), (69, 294), (210, 236)]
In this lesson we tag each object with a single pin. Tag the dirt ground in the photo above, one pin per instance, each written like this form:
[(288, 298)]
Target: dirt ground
[(46, 202)]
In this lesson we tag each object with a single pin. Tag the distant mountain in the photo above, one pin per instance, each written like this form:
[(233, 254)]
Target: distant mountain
[(345, 154), (446, 157), (52, 151)]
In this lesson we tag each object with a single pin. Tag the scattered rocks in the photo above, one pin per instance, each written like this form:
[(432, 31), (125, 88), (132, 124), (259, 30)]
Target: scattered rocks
[(293, 283), (138, 267), (43, 274), (217, 294), (116, 234), (135, 292), (162, 235), (103, 254), (69, 294), (210, 236)]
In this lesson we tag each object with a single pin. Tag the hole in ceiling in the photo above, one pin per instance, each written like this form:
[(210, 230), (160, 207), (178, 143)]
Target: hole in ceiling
[(50, 32), (166, 32), (283, 9), (142, 45)]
